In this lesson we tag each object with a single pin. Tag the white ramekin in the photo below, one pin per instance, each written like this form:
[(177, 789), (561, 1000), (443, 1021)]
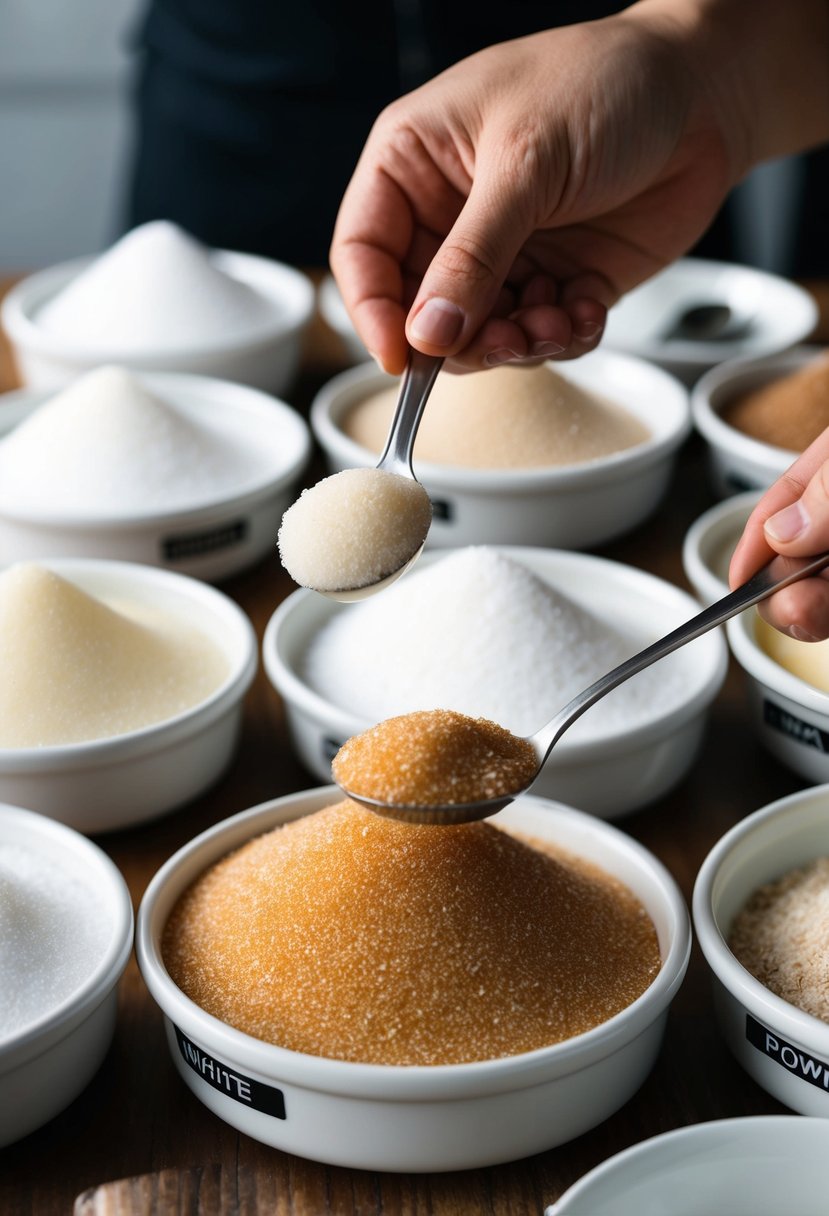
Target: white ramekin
[(785, 1050), (449, 1117), (47, 1064)]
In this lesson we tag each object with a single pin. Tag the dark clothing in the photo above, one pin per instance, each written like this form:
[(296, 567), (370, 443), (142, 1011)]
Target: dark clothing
[(252, 114)]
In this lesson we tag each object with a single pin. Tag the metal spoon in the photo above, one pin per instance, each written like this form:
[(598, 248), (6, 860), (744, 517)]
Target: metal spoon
[(418, 381), (707, 322), (779, 572)]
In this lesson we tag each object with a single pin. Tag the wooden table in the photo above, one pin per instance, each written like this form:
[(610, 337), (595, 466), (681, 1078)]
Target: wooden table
[(137, 1116)]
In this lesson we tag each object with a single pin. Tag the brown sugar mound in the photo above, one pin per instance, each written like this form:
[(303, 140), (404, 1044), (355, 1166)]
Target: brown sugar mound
[(355, 937), (790, 412), (435, 757)]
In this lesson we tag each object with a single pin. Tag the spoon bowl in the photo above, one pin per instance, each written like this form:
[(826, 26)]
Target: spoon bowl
[(778, 573), (358, 531)]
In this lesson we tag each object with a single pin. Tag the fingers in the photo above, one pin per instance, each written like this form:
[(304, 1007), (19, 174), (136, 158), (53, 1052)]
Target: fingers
[(792, 518)]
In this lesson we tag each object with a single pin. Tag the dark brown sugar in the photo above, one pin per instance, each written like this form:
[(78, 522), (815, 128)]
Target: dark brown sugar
[(355, 937), (435, 757)]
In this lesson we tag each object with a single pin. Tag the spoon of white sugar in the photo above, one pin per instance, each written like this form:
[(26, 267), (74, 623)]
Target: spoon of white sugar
[(354, 533)]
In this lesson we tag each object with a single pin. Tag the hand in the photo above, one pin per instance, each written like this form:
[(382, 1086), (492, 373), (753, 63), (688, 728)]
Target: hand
[(792, 518), (497, 212)]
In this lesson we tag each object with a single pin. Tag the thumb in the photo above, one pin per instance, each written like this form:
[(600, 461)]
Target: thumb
[(802, 528), (461, 285)]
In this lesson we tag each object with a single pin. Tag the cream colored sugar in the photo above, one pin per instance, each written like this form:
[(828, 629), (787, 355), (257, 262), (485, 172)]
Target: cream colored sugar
[(353, 529), (809, 661), (355, 937), (77, 668), (507, 417)]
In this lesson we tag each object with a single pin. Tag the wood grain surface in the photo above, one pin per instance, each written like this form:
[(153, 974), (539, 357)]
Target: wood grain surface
[(137, 1118)]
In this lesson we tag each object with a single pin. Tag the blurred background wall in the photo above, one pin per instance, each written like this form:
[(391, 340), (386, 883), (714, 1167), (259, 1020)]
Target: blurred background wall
[(65, 79)]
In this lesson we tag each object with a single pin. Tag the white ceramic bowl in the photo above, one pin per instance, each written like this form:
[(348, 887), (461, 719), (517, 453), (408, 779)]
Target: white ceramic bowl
[(780, 313), (785, 1050), (710, 542), (738, 461), (570, 507), (112, 783), (209, 539), (267, 359), (45, 1065), (335, 314), (762, 1165), (384, 1117), (609, 774), (790, 716)]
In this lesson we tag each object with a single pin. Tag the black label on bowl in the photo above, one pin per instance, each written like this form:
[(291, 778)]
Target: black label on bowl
[(196, 544), (787, 724), (793, 1059), (267, 1098)]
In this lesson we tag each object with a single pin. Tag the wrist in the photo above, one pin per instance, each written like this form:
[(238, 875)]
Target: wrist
[(760, 67)]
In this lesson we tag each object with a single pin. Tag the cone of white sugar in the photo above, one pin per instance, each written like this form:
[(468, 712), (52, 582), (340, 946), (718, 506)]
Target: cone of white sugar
[(157, 289), (106, 445)]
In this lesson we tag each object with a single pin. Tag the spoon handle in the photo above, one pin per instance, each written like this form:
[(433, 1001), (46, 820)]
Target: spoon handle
[(420, 374), (780, 572)]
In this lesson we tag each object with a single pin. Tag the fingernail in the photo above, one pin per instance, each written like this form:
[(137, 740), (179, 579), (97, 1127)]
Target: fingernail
[(788, 524), (544, 350), (439, 322), (800, 635), (587, 330), (500, 356)]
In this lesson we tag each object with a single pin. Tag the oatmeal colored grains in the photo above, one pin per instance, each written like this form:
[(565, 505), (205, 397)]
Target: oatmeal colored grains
[(504, 418), (349, 936), (782, 937), (435, 758)]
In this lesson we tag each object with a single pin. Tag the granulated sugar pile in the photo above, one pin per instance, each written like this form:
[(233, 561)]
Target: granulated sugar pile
[(53, 934), (350, 936), (157, 289), (504, 418), (479, 633), (108, 446)]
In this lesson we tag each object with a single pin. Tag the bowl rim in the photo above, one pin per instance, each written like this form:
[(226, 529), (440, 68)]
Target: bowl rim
[(802, 1027), (157, 736), (245, 400), (801, 306), (602, 470), (710, 528), (408, 1082), (710, 1129), (55, 1025), (707, 416), (766, 671), (19, 307), (287, 681)]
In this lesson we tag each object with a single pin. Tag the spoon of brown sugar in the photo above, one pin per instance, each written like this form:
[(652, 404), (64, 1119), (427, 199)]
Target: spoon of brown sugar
[(442, 767)]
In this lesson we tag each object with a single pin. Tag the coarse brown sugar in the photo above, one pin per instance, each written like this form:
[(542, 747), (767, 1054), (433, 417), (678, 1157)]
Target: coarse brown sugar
[(790, 412), (782, 937), (354, 937), (435, 757)]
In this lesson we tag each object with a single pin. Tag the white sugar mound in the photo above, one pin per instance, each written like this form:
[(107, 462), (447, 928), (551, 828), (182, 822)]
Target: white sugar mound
[(353, 529), (54, 932), (108, 446), (479, 633), (77, 668), (157, 289)]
